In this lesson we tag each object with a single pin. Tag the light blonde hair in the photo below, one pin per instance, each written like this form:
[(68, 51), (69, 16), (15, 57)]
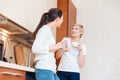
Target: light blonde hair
[(80, 26)]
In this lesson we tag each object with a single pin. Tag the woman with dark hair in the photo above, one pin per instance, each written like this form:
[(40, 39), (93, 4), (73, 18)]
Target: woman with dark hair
[(44, 45)]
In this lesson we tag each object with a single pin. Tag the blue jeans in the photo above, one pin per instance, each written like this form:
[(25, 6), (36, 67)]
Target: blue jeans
[(68, 75), (42, 74)]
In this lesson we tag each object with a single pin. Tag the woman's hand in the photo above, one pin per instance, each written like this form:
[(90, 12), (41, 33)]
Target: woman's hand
[(62, 49), (64, 45), (55, 47), (79, 47)]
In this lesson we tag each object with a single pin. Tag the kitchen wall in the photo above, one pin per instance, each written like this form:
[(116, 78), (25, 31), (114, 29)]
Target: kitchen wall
[(26, 12), (101, 19)]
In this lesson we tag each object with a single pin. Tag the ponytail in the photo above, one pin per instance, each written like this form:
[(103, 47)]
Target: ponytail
[(43, 21), (47, 17)]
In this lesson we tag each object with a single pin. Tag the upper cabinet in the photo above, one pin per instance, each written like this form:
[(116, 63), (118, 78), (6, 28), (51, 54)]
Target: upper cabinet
[(15, 43), (69, 14)]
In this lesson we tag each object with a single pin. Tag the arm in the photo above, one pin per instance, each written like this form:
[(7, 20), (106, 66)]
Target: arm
[(59, 53), (83, 53), (40, 46), (55, 47), (81, 60)]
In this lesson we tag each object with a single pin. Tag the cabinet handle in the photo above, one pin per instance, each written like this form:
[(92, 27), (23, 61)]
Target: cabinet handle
[(11, 73)]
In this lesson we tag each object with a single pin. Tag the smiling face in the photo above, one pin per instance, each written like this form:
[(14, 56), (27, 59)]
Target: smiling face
[(77, 31)]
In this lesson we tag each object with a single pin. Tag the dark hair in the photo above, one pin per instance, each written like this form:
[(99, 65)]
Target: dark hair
[(47, 17)]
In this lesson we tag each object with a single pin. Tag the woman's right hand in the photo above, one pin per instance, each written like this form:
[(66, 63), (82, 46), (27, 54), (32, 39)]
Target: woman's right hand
[(64, 45), (59, 45), (55, 47)]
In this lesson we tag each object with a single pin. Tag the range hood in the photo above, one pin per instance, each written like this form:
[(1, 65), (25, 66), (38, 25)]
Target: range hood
[(9, 27)]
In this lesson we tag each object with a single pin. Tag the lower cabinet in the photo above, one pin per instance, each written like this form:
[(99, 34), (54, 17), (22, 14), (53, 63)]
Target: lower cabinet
[(30, 76), (12, 74)]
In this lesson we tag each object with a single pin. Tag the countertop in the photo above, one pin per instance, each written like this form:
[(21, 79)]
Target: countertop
[(15, 66)]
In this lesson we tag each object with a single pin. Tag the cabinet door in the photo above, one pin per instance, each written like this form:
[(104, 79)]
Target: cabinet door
[(71, 17), (12, 74), (69, 13)]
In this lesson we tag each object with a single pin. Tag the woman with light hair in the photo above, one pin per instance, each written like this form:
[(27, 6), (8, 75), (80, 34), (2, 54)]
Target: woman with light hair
[(73, 56)]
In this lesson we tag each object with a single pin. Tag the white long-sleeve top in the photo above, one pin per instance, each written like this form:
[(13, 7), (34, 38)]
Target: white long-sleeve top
[(44, 58)]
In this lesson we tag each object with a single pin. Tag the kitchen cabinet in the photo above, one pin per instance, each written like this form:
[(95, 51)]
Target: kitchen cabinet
[(16, 72), (30, 76), (16, 58), (15, 43), (12, 74)]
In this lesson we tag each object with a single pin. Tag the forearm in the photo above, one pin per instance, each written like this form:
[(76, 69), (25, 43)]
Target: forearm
[(53, 48), (59, 53), (81, 60)]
